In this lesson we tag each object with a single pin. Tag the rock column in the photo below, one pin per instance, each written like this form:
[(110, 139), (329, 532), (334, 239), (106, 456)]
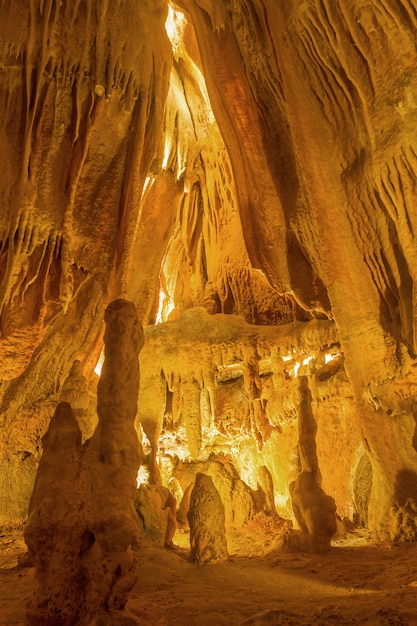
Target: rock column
[(207, 523), (82, 522), (314, 511)]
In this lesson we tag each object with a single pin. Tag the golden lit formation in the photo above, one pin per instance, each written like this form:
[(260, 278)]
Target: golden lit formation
[(208, 318)]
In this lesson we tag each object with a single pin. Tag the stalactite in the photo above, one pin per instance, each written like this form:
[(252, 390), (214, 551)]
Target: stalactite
[(152, 404), (295, 202), (81, 68), (229, 376), (191, 414)]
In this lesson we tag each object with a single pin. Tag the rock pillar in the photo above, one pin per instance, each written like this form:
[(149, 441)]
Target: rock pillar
[(82, 522), (314, 511), (207, 523)]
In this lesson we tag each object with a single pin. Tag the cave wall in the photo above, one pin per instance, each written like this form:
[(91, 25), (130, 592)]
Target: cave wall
[(82, 95), (253, 158), (328, 160)]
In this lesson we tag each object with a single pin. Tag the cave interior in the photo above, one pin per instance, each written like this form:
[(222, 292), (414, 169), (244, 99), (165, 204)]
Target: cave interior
[(207, 329)]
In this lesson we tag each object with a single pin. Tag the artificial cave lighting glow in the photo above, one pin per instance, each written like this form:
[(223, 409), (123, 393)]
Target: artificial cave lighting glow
[(229, 370), (164, 308), (295, 369), (174, 26), (211, 432), (331, 356), (158, 319), (328, 356), (170, 23), (248, 475), (281, 501), (99, 365), (143, 476), (146, 444), (232, 366), (148, 182), (174, 444), (167, 152)]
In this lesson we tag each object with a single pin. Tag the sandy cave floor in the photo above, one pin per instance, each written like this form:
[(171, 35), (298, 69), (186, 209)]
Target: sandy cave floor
[(355, 583)]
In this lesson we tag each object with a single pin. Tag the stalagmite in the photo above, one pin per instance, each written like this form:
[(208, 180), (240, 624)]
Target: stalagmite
[(206, 517), (82, 522), (56, 533), (236, 496), (156, 510), (244, 174), (315, 511)]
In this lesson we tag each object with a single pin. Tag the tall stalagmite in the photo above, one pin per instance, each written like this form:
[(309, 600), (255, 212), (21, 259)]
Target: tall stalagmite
[(82, 522), (207, 523), (314, 511)]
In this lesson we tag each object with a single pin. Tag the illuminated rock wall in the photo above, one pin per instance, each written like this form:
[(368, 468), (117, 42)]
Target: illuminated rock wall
[(324, 169), (259, 162), (219, 415), (82, 92)]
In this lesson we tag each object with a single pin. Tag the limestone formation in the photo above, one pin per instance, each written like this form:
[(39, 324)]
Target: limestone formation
[(55, 533), (206, 517), (314, 511), (82, 523), (244, 172), (236, 496), (76, 392), (183, 508), (266, 487), (156, 509)]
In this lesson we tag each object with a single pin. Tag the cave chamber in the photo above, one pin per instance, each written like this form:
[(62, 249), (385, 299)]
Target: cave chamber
[(237, 178)]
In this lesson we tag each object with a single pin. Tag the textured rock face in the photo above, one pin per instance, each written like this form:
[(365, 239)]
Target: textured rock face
[(246, 176), (82, 523), (54, 535), (81, 107), (315, 513)]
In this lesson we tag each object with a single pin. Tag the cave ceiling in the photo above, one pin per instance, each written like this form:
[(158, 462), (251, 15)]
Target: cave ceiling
[(243, 171)]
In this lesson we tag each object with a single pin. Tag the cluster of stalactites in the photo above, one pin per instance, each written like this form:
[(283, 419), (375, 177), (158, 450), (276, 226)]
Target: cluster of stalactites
[(73, 59), (205, 376)]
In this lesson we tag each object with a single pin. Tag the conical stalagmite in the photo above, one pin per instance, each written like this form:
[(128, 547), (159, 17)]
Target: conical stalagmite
[(207, 523)]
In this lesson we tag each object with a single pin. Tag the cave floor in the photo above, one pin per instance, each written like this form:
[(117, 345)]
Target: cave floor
[(355, 583)]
